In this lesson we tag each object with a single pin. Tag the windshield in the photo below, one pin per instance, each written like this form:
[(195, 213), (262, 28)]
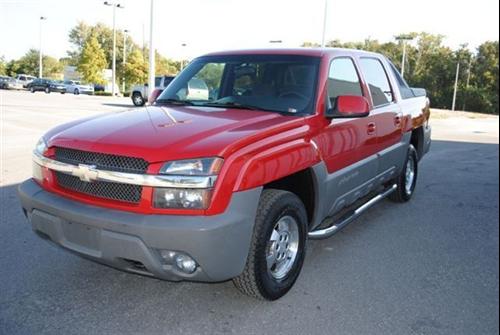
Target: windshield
[(275, 83)]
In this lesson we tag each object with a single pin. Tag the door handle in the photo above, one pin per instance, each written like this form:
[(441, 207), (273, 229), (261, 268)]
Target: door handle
[(372, 128), (398, 120)]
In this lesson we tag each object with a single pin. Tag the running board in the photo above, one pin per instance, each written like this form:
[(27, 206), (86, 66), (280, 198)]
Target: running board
[(332, 230)]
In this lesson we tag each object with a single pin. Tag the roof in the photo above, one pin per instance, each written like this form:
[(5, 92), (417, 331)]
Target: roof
[(313, 52)]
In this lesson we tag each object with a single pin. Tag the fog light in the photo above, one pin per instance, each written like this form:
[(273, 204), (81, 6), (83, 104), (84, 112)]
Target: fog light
[(168, 256), (185, 263)]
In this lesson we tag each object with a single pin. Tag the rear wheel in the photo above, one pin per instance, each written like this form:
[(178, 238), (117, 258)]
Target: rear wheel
[(137, 99), (407, 181), (47, 90), (32, 89), (76, 91), (278, 246)]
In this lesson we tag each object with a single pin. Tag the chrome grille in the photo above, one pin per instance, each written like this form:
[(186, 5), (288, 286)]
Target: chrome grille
[(111, 191), (102, 161)]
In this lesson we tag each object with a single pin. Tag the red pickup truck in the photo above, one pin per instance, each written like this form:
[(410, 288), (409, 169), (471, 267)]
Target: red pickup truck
[(243, 157)]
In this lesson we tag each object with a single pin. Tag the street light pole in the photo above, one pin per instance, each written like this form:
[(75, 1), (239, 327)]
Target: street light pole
[(404, 39), (403, 62), (151, 81), (183, 45), (113, 67), (125, 31), (325, 19), (40, 54), (456, 87)]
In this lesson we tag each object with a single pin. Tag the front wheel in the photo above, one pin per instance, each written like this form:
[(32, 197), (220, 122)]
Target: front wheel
[(47, 90), (278, 246), (407, 181), (138, 100), (32, 89)]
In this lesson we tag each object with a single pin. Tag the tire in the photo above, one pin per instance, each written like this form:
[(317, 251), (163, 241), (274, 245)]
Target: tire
[(76, 91), (47, 90), (138, 100), (276, 208), (407, 181), (32, 89)]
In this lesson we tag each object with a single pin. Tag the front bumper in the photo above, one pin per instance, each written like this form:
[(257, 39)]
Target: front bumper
[(132, 242)]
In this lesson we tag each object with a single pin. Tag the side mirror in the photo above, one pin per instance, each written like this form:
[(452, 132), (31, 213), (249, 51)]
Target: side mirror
[(349, 106), (156, 93)]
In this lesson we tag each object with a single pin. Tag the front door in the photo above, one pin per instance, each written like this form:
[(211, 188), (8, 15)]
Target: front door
[(348, 146)]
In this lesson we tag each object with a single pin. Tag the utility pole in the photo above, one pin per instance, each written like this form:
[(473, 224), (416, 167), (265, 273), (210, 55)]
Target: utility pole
[(125, 31), (456, 87), (325, 20), (113, 67), (151, 81), (40, 54)]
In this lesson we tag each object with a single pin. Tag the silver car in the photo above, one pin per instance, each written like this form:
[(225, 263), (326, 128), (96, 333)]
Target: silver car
[(77, 88), (8, 83)]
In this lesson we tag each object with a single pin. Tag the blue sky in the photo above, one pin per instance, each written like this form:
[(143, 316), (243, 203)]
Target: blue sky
[(209, 25)]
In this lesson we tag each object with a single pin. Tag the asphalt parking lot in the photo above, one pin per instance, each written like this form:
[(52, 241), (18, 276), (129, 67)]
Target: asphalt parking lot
[(427, 267)]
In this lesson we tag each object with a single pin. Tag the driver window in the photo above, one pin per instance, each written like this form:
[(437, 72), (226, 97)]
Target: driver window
[(343, 80)]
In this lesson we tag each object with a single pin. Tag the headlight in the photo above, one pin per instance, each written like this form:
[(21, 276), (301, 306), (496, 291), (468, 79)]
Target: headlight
[(187, 198), (193, 167), (41, 146)]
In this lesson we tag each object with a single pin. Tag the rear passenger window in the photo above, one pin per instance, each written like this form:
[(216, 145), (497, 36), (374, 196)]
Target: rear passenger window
[(343, 80), (377, 80)]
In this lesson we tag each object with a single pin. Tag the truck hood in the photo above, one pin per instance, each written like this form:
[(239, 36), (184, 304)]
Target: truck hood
[(158, 134)]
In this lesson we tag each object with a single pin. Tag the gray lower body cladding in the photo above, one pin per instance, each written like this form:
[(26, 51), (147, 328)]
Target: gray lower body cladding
[(341, 189), (133, 242)]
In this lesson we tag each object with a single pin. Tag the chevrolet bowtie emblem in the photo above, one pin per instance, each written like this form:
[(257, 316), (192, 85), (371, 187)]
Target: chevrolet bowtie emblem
[(87, 173)]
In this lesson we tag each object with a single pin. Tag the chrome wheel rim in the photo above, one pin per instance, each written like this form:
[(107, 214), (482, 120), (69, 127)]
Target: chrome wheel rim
[(282, 247), (137, 100), (410, 175)]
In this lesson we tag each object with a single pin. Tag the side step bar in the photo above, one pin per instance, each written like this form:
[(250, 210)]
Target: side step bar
[(332, 230)]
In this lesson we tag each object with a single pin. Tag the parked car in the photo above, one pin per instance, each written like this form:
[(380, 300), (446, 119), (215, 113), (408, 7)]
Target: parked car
[(47, 86), (289, 145), (141, 93), (99, 88), (8, 83), (25, 79), (77, 87)]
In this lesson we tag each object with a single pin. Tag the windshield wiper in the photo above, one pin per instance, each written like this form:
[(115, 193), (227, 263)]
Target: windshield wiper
[(175, 102), (238, 105)]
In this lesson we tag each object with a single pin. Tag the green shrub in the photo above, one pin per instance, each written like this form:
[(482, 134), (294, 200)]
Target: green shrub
[(103, 94)]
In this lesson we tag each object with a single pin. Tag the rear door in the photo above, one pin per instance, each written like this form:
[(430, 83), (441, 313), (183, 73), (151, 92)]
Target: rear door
[(387, 115)]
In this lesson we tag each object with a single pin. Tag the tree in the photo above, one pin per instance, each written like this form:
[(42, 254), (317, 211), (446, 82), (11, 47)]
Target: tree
[(92, 61), (433, 66), (485, 73), (29, 64), (136, 68), (3, 66), (165, 66)]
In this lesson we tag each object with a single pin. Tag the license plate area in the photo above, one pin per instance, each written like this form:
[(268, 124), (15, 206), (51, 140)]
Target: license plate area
[(81, 236)]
